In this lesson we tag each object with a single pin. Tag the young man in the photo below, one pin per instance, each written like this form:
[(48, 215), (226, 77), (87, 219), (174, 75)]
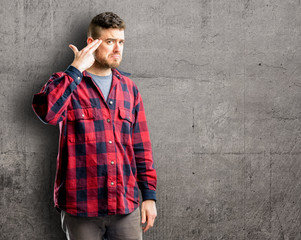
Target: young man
[(105, 152)]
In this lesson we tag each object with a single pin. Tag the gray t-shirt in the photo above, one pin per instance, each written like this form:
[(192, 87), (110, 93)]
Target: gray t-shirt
[(104, 83)]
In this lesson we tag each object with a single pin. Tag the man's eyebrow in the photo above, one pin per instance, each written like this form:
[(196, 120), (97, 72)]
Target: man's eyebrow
[(113, 39)]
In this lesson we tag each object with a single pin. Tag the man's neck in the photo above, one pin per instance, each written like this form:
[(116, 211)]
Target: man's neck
[(99, 71)]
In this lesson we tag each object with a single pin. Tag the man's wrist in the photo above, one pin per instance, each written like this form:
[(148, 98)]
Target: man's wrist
[(77, 67), (74, 73), (153, 200)]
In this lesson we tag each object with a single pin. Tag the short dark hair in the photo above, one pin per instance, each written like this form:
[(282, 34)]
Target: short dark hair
[(104, 20)]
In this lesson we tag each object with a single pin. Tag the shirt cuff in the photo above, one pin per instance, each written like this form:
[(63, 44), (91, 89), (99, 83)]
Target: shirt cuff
[(148, 195), (74, 73)]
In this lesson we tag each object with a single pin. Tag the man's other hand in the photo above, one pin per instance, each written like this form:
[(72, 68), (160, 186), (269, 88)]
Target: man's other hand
[(84, 59), (148, 214)]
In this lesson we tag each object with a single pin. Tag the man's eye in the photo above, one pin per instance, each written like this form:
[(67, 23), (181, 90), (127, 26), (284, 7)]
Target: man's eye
[(121, 43), (109, 42)]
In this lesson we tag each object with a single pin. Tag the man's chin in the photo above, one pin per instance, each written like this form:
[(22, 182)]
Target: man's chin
[(115, 64), (109, 64)]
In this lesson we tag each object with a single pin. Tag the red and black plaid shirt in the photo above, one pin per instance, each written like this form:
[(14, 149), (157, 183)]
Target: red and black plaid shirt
[(104, 150)]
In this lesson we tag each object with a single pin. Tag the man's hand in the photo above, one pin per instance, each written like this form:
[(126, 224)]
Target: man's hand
[(148, 213), (84, 59)]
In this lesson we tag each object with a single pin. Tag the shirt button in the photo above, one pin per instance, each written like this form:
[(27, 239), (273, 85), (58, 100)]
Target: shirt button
[(112, 183), (110, 141), (111, 102), (83, 115), (108, 120), (78, 78), (112, 163)]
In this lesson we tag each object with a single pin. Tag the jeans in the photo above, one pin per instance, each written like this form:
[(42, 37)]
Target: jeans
[(116, 227)]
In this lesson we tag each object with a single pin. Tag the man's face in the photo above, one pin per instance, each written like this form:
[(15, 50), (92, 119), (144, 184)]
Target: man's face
[(109, 52)]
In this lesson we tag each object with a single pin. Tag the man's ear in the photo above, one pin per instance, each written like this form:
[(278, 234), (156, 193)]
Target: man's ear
[(89, 40)]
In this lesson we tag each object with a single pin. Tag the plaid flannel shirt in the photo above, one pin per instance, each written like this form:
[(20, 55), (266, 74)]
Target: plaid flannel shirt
[(105, 152)]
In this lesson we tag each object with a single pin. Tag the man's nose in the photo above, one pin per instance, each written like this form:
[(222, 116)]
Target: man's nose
[(117, 47)]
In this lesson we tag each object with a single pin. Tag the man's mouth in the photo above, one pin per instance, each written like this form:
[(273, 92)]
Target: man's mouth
[(115, 56)]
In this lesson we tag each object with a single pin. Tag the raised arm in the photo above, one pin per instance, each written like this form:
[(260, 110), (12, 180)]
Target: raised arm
[(51, 102)]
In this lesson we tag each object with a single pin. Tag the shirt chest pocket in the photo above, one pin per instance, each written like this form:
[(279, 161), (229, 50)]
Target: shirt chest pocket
[(125, 120), (81, 126), (125, 114), (81, 114)]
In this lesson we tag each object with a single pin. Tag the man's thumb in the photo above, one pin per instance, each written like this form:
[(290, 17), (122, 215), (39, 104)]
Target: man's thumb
[(73, 48)]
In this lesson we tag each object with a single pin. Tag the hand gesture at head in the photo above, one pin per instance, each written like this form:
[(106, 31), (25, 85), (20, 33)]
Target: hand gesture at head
[(84, 59)]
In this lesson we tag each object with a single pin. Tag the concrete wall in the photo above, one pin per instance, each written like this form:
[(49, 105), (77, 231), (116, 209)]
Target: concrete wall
[(222, 90)]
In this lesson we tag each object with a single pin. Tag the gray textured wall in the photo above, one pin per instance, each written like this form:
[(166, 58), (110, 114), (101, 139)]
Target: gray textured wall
[(221, 85)]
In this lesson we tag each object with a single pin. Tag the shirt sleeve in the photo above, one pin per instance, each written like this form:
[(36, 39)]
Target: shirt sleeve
[(146, 173), (51, 102)]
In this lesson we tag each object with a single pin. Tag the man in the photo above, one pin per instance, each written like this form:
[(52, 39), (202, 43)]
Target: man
[(104, 147)]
